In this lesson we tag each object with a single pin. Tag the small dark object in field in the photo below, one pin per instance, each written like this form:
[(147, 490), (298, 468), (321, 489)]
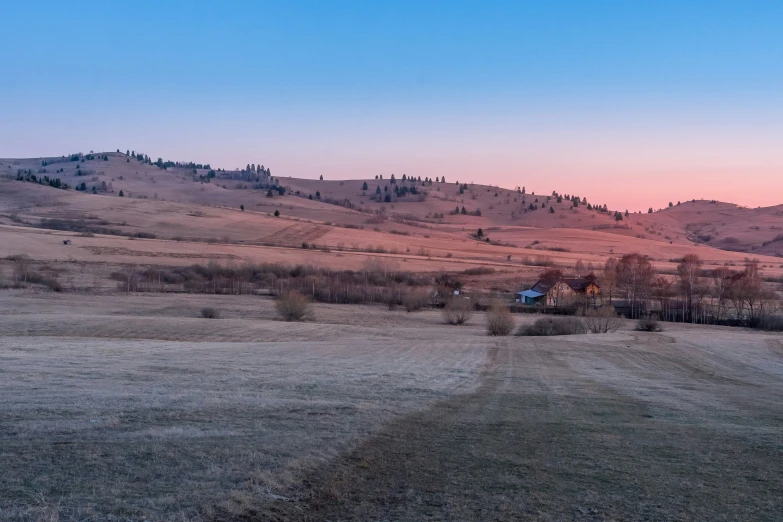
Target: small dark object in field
[(210, 313), (648, 324), (66, 241)]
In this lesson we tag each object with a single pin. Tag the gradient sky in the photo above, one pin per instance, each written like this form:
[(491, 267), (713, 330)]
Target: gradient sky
[(629, 103)]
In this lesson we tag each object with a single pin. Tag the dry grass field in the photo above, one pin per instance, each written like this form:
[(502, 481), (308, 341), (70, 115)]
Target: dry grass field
[(132, 406), (117, 407)]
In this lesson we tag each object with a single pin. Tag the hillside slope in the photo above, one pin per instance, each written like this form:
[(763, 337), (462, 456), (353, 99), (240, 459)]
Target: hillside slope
[(166, 201)]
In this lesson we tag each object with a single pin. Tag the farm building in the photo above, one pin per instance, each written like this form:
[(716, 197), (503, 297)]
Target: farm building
[(561, 292), (529, 297)]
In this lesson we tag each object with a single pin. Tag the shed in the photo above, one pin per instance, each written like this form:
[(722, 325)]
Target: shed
[(528, 297)]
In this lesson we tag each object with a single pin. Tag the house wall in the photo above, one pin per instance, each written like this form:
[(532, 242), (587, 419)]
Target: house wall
[(560, 294)]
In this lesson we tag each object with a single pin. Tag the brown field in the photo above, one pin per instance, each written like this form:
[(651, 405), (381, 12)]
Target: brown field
[(133, 407), (195, 222)]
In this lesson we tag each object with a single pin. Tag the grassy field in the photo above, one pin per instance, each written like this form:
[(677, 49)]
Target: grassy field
[(132, 408)]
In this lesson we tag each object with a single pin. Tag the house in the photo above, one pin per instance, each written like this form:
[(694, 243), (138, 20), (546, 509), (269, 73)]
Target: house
[(561, 292)]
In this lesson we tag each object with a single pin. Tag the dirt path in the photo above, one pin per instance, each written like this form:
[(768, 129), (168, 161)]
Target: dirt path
[(539, 441)]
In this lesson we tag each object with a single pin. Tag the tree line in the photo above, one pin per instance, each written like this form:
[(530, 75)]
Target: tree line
[(694, 295)]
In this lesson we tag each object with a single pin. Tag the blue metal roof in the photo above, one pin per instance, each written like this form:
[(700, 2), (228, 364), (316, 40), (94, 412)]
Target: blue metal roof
[(530, 293)]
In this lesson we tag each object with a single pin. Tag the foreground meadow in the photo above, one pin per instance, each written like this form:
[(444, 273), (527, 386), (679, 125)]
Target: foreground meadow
[(133, 407)]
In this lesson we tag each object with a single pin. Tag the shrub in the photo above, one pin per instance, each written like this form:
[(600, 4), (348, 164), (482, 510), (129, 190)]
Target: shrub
[(772, 323), (458, 310), (499, 320), (52, 283), (392, 301), (210, 313), (415, 300), (479, 270), (648, 324), (602, 320), (293, 306), (547, 326)]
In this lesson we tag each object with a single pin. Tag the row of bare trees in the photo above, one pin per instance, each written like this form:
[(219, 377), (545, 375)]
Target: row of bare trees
[(693, 295)]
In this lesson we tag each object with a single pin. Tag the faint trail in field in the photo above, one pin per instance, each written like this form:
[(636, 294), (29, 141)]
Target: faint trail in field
[(530, 443)]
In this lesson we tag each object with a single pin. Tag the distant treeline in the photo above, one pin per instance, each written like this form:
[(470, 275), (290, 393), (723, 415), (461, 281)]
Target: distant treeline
[(41, 180), (377, 282)]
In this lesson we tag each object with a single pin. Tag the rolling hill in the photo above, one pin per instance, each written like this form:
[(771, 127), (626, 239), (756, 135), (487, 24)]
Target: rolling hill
[(184, 213)]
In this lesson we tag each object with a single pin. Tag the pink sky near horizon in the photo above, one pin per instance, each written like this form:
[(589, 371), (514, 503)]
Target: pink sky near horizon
[(628, 163), (633, 169)]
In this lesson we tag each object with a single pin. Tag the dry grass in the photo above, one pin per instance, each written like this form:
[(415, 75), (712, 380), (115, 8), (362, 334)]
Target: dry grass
[(97, 426), (563, 430), (362, 417)]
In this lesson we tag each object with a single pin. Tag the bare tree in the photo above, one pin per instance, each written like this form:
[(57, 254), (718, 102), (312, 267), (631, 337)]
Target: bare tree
[(752, 301), (609, 278), (579, 268), (721, 278), (758, 300), (552, 280), (551, 276), (379, 266), (690, 285), (22, 264), (662, 292), (634, 278), (153, 280)]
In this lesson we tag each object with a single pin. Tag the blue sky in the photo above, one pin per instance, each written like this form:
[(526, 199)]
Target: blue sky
[(573, 96)]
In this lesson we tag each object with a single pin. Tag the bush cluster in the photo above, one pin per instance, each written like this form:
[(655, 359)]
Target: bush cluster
[(499, 320), (293, 306), (547, 326), (649, 324), (602, 320), (210, 313), (457, 310), (772, 323)]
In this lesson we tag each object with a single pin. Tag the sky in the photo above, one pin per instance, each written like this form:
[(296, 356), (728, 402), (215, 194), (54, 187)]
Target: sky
[(630, 103)]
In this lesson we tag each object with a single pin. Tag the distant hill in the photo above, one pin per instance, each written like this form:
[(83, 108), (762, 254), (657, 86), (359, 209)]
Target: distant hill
[(382, 204)]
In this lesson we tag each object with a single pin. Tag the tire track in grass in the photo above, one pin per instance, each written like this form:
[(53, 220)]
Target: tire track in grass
[(537, 440)]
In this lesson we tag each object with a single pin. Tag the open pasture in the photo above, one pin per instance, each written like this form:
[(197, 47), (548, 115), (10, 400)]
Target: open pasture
[(130, 408)]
